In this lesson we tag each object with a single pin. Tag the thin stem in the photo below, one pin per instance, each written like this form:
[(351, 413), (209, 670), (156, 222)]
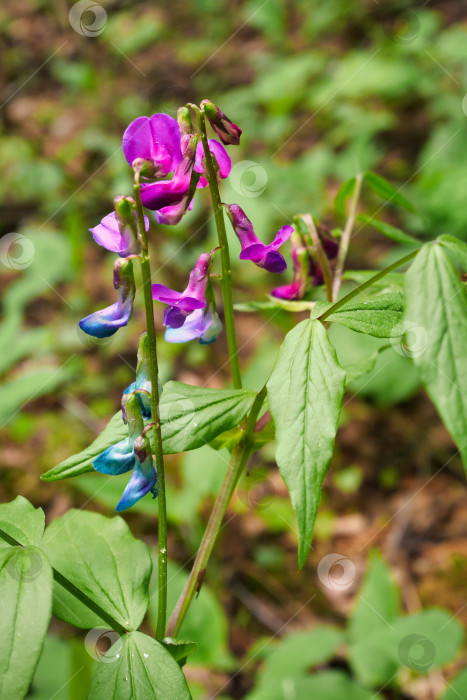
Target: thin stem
[(358, 290), (156, 428), (226, 280), (76, 592), (346, 236), (321, 255), (238, 460)]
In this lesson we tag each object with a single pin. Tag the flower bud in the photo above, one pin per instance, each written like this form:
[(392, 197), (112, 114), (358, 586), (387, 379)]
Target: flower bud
[(184, 121), (131, 411), (228, 132)]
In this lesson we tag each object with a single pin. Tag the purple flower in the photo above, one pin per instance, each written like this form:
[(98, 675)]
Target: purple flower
[(253, 249), (106, 322), (222, 158), (300, 260), (118, 235), (144, 477), (181, 304), (156, 139), (203, 324), (228, 132), (330, 246)]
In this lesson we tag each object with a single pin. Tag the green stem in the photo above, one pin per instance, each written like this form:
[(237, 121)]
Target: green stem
[(320, 254), (226, 281), (156, 427), (346, 236), (358, 290), (237, 462), (76, 592)]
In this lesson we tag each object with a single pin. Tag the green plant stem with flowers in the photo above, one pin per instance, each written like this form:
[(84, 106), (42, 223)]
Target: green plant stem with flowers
[(90, 569)]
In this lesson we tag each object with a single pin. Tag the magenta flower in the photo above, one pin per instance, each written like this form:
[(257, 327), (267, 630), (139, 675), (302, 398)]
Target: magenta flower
[(106, 322), (203, 324), (300, 261), (266, 256), (158, 139), (181, 304), (331, 248), (228, 132)]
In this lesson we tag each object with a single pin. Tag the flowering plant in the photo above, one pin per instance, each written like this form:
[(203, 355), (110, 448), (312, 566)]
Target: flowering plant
[(97, 572)]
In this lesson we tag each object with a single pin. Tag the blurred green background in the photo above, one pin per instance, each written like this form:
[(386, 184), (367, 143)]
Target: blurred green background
[(321, 90)]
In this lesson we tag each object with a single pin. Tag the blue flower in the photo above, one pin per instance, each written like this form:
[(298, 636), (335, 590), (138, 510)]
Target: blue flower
[(203, 324), (106, 322), (144, 477)]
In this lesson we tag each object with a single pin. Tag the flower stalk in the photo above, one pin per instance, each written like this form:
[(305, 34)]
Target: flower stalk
[(346, 236), (226, 281), (156, 425)]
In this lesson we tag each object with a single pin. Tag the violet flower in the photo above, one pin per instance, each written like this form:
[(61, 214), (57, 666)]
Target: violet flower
[(106, 322), (228, 132), (330, 247), (155, 139), (203, 324), (265, 256), (222, 159), (181, 304), (300, 261), (117, 231)]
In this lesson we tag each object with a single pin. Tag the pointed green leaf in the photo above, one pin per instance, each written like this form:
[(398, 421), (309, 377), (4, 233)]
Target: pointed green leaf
[(191, 417), (456, 246), (395, 234), (437, 314), (345, 191), (179, 649), (101, 557), (379, 316), (22, 521), (139, 667), (25, 609), (305, 393), (384, 189)]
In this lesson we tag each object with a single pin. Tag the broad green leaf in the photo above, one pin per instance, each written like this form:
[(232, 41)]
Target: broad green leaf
[(395, 234), (101, 557), (379, 316), (190, 418), (326, 685), (436, 315), (305, 393), (345, 191), (205, 622), (66, 667), (378, 600), (25, 609), (21, 520), (457, 688), (179, 649), (456, 246), (139, 667), (81, 463), (294, 655), (384, 189)]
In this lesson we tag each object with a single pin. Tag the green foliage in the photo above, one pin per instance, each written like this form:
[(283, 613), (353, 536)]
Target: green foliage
[(437, 305), (141, 668), (379, 316), (22, 521), (100, 557), (392, 232), (384, 189), (305, 394)]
